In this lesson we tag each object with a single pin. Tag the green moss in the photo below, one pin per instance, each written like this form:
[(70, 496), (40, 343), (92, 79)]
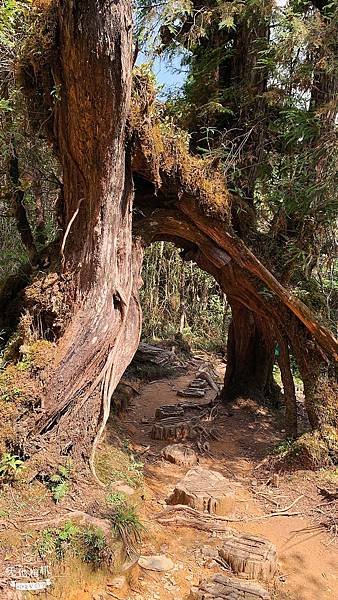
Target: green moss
[(112, 464), (312, 450)]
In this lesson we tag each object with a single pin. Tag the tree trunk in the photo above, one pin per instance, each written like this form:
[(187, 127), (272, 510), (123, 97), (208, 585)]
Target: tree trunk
[(101, 265), (319, 376), (289, 388), (250, 352), (19, 210)]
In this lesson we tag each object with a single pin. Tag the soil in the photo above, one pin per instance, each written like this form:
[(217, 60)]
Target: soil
[(240, 438), (307, 553)]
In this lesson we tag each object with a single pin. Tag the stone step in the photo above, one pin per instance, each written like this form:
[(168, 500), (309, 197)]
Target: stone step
[(206, 491), (221, 587)]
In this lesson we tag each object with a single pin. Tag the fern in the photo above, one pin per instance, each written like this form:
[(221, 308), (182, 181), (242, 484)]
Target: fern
[(59, 483)]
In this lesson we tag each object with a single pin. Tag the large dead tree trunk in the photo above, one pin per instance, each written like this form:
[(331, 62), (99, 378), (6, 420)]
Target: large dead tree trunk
[(101, 265)]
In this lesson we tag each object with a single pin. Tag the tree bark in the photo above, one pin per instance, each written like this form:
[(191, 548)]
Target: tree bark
[(250, 352), (101, 264), (20, 214), (289, 388)]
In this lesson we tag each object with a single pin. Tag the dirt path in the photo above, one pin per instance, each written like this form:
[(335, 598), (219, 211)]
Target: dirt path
[(308, 560)]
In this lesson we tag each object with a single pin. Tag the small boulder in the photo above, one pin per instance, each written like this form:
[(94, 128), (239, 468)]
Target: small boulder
[(158, 562)]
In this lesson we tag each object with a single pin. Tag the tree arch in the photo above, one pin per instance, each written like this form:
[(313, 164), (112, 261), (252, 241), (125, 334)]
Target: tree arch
[(264, 312), (107, 152)]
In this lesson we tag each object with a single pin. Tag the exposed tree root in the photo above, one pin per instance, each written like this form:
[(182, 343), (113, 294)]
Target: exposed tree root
[(78, 515), (189, 517)]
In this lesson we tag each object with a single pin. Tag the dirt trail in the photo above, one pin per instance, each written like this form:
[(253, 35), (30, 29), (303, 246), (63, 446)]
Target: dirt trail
[(308, 559)]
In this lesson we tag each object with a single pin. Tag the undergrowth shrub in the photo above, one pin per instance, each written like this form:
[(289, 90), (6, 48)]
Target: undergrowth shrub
[(10, 466), (124, 518), (87, 543)]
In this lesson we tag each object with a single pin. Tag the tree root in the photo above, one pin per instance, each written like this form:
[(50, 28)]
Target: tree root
[(80, 516), (186, 516)]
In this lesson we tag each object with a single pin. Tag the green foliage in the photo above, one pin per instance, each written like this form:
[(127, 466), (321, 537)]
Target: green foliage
[(38, 169), (125, 521), (10, 466), (94, 546), (133, 475), (88, 543), (54, 543), (116, 499), (260, 99), (180, 301), (59, 483), (283, 448), (124, 518)]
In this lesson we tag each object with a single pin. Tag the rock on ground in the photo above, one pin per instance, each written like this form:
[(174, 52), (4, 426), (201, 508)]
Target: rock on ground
[(158, 562)]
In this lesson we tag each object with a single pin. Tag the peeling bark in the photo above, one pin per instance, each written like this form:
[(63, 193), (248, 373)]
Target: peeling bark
[(100, 260)]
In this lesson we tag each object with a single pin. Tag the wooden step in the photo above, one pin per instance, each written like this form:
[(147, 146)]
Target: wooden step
[(180, 455), (167, 411), (206, 491), (253, 556), (173, 428), (191, 393), (221, 587)]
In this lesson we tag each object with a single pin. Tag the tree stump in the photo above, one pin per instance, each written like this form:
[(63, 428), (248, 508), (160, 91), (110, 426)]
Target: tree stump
[(206, 491), (170, 410), (180, 455), (221, 587), (251, 555), (172, 429)]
